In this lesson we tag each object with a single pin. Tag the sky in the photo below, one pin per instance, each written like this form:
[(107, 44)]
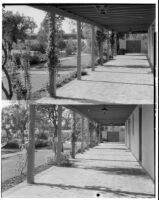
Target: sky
[(37, 15)]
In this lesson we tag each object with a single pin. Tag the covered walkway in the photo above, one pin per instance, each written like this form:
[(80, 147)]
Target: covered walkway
[(127, 79), (107, 170)]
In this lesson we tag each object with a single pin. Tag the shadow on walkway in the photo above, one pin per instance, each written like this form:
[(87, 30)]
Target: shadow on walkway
[(118, 72), (118, 82), (97, 188)]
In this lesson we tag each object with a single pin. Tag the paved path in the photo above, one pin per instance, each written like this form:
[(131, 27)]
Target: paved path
[(108, 170), (125, 80)]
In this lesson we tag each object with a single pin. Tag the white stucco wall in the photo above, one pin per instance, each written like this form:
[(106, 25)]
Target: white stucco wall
[(135, 133), (144, 46), (122, 44), (127, 137), (148, 139), (122, 136)]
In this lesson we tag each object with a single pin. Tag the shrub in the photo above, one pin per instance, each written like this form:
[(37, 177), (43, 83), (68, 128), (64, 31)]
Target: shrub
[(68, 51), (41, 143), (37, 47), (43, 136), (83, 73), (35, 59), (12, 145), (61, 44), (43, 58), (98, 61), (121, 51), (17, 58)]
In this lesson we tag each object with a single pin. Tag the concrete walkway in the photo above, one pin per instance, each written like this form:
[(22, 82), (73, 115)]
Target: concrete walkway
[(125, 80), (108, 170)]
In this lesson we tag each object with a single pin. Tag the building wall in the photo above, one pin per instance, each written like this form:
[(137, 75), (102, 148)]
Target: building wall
[(148, 139), (147, 135), (144, 46), (135, 132), (122, 44), (151, 41), (122, 136), (113, 136)]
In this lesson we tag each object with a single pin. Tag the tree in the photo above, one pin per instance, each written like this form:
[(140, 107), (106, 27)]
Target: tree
[(15, 120), (51, 113), (67, 119), (120, 35), (15, 27), (112, 41), (61, 44), (100, 38), (44, 30)]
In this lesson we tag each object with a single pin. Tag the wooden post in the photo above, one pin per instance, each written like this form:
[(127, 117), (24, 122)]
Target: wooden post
[(92, 49), (74, 135), (31, 147), (115, 43), (101, 50), (99, 134), (108, 47), (82, 136), (78, 50), (91, 137), (52, 57), (59, 144)]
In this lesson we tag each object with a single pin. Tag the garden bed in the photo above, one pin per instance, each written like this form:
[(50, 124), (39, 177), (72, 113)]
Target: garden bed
[(62, 79)]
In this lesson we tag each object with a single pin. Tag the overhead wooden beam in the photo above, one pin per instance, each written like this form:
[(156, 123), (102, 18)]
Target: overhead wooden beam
[(79, 112), (53, 8)]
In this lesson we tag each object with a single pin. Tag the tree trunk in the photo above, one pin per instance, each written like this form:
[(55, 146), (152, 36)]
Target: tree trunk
[(8, 93), (52, 55)]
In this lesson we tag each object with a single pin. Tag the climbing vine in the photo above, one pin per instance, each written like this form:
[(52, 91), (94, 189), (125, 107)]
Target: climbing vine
[(100, 38)]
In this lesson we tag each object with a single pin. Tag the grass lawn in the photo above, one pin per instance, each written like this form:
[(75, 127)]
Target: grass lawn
[(40, 76)]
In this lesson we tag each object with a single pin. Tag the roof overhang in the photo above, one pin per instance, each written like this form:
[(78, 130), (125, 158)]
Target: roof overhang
[(108, 115), (117, 17)]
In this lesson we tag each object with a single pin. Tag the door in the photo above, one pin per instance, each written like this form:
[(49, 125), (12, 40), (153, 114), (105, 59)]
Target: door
[(113, 136), (133, 46)]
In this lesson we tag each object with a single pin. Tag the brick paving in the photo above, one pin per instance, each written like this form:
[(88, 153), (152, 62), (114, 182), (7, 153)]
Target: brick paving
[(107, 170)]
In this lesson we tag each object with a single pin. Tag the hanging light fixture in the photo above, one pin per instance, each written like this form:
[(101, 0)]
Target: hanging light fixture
[(104, 109), (102, 9)]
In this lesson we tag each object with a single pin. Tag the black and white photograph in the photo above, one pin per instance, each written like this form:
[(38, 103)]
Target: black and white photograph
[(79, 100)]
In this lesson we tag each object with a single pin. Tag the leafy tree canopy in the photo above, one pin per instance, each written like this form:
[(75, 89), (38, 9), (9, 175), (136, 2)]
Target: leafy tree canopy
[(16, 27)]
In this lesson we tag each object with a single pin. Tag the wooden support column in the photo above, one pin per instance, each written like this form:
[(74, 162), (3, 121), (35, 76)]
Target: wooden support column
[(52, 55), (59, 144), (92, 49), (101, 50), (88, 135), (31, 147), (74, 135), (115, 44), (79, 50), (91, 138), (108, 47), (82, 136)]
